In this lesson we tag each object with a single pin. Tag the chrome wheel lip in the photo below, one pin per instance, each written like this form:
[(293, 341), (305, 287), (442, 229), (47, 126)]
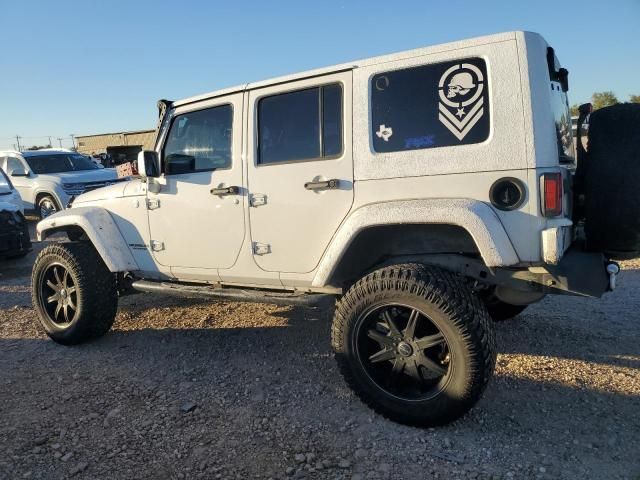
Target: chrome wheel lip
[(47, 208), (438, 388), (58, 291)]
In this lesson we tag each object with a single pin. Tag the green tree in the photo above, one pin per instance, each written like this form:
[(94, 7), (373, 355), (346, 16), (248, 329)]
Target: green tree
[(634, 98), (603, 99), (574, 110)]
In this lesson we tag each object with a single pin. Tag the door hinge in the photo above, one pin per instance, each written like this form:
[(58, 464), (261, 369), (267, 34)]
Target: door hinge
[(261, 248), (157, 246), (258, 199), (153, 203)]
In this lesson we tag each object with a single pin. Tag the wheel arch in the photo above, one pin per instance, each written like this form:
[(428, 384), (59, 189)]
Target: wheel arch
[(49, 193), (101, 230), (374, 233)]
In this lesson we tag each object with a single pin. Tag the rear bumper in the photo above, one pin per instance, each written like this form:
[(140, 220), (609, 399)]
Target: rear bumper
[(578, 273), (556, 240)]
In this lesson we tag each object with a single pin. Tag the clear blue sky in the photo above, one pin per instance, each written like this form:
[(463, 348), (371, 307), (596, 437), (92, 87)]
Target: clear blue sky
[(88, 66)]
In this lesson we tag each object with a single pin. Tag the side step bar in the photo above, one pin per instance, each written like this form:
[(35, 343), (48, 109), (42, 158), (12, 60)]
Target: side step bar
[(248, 295)]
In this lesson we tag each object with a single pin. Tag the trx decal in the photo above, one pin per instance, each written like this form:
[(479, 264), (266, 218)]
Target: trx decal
[(461, 102)]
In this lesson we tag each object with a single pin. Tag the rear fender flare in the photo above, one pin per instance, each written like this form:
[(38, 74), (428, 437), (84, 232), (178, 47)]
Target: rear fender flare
[(474, 216)]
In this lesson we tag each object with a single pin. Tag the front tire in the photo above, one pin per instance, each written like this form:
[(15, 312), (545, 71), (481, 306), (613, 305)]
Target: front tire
[(47, 206), (414, 344), (73, 292)]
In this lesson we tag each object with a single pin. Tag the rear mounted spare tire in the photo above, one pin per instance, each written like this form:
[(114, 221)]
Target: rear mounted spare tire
[(612, 181)]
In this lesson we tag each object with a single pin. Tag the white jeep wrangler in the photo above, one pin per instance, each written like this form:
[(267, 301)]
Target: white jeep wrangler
[(425, 191)]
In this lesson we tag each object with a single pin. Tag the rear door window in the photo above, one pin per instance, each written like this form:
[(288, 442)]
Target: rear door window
[(429, 106), (301, 125)]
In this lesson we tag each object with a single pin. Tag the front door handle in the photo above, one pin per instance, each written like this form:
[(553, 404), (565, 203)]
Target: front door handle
[(225, 191), (323, 185)]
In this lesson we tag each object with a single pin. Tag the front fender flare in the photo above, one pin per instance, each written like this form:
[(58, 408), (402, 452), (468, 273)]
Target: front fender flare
[(474, 216), (100, 228)]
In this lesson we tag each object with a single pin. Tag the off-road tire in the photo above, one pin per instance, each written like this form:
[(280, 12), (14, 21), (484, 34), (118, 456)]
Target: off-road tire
[(501, 311), (611, 176), (452, 307), (96, 298)]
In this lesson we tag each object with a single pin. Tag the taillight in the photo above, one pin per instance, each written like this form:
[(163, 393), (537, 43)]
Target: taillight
[(552, 194)]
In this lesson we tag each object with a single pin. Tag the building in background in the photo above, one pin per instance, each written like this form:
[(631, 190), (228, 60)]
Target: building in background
[(123, 146)]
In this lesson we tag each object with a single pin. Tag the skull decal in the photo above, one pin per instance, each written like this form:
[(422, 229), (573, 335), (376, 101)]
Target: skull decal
[(460, 84), (461, 101)]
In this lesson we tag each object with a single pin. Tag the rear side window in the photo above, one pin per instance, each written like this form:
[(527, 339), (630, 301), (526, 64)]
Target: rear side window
[(13, 164), (429, 106), (300, 125), (199, 141)]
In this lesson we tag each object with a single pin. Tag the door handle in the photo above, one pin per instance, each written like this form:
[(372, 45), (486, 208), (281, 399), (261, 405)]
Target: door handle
[(225, 191), (323, 185)]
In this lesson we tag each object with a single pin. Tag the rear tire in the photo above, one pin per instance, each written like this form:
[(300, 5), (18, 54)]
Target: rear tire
[(73, 292), (414, 343), (500, 311)]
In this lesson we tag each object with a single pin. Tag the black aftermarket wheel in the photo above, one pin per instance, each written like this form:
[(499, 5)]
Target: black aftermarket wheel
[(73, 292), (414, 344)]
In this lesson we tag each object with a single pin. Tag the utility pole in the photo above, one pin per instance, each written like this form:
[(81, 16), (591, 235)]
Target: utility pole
[(73, 142), (50, 144), (18, 142), (60, 141)]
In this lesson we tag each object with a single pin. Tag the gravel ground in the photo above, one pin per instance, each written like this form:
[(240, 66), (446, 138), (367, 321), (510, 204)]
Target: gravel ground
[(190, 389)]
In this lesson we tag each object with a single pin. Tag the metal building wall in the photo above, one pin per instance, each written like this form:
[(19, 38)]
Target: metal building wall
[(99, 143)]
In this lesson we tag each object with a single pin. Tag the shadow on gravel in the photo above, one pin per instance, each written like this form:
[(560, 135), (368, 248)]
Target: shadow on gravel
[(235, 378)]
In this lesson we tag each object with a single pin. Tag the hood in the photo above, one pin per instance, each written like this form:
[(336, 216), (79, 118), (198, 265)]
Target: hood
[(11, 197), (104, 193), (82, 176), (8, 207)]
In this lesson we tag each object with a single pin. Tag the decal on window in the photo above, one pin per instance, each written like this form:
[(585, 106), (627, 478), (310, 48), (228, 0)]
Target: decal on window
[(461, 101), (430, 106)]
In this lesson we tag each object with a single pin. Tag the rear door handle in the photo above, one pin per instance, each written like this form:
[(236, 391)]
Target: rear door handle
[(323, 185), (225, 191)]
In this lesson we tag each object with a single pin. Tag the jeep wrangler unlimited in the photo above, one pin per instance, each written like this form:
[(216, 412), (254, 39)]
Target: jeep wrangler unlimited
[(425, 191)]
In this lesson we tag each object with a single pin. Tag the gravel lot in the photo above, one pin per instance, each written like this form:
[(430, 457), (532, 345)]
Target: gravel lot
[(189, 389)]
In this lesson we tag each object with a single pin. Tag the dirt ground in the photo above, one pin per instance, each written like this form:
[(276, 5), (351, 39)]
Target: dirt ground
[(189, 389)]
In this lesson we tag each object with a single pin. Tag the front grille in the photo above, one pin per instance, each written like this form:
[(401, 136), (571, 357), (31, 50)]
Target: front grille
[(80, 188)]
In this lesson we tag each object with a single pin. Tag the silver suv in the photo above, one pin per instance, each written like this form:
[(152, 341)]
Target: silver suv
[(48, 179), (425, 192)]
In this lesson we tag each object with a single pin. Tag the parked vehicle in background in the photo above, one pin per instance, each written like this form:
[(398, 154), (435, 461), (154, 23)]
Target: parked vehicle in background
[(426, 192), (14, 234), (48, 179), (8, 193)]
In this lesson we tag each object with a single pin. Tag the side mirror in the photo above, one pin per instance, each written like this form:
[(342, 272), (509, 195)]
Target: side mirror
[(19, 172), (148, 164)]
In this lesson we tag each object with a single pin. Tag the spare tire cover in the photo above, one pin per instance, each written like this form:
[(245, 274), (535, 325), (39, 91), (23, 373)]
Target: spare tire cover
[(612, 181)]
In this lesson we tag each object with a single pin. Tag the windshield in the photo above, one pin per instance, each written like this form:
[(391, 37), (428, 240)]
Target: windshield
[(60, 162)]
